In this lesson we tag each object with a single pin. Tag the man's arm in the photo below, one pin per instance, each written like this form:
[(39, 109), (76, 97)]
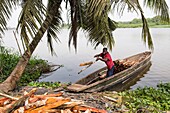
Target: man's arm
[(102, 59)]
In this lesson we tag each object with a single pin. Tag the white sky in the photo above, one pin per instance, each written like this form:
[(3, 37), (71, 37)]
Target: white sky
[(127, 16)]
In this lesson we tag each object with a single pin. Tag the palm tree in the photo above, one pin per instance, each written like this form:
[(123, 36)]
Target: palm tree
[(28, 24), (90, 15)]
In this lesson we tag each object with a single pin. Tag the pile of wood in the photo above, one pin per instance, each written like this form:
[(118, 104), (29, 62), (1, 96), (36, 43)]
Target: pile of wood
[(121, 65), (46, 103)]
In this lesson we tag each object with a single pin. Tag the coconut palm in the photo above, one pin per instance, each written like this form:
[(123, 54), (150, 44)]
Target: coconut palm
[(89, 15)]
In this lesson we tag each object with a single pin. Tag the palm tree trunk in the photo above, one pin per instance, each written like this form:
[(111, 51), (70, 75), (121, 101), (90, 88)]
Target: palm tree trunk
[(10, 83)]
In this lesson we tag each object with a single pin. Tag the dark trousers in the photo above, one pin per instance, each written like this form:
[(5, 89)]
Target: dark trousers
[(110, 72)]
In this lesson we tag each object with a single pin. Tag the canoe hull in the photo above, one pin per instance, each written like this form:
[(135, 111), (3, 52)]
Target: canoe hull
[(125, 85), (83, 86)]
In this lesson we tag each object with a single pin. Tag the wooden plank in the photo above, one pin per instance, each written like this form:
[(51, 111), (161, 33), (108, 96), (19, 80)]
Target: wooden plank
[(20, 101), (93, 80), (76, 87), (92, 109), (8, 96), (48, 106), (86, 63), (49, 95)]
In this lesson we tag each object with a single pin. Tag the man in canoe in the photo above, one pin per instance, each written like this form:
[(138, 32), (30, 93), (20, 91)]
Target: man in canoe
[(105, 57)]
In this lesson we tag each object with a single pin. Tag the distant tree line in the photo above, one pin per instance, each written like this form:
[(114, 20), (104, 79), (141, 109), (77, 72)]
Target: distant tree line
[(155, 21)]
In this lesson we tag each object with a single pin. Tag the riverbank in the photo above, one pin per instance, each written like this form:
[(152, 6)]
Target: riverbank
[(33, 71), (129, 25), (145, 100), (148, 99), (98, 100)]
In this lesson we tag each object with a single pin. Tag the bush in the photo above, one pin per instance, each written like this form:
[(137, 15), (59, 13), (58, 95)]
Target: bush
[(8, 61)]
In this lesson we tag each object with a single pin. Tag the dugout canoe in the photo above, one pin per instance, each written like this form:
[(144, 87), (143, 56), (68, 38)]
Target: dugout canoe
[(124, 69)]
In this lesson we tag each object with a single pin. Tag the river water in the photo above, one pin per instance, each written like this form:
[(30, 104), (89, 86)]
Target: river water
[(128, 42)]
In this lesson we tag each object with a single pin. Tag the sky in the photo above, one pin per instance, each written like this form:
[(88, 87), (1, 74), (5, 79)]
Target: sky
[(127, 16)]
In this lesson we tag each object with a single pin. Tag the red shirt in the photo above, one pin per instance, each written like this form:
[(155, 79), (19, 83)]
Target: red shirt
[(109, 62)]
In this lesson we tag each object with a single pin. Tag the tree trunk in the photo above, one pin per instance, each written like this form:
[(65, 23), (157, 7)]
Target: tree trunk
[(10, 83)]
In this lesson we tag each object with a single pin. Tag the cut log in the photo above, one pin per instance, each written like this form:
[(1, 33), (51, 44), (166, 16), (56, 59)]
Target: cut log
[(49, 95), (3, 100), (92, 109), (51, 100), (20, 101), (110, 98), (69, 105), (49, 106), (8, 96), (36, 104), (42, 97), (86, 63)]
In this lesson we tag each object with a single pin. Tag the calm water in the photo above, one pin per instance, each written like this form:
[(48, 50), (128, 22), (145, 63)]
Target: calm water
[(128, 42)]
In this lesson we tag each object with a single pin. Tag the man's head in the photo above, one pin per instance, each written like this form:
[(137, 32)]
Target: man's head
[(104, 50)]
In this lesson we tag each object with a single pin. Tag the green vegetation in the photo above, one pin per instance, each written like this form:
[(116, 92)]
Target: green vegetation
[(45, 84), (148, 99), (32, 72), (154, 22)]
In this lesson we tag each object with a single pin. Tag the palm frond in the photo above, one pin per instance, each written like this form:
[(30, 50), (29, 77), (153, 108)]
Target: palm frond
[(112, 24), (121, 5), (54, 26), (97, 23), (6, 7), (92, 17), (31, 17), (133, 5), (74, 10), (146, 36), (160, 7)]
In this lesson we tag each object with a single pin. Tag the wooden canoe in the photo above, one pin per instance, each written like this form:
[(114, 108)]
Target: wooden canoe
[(132, 65)]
